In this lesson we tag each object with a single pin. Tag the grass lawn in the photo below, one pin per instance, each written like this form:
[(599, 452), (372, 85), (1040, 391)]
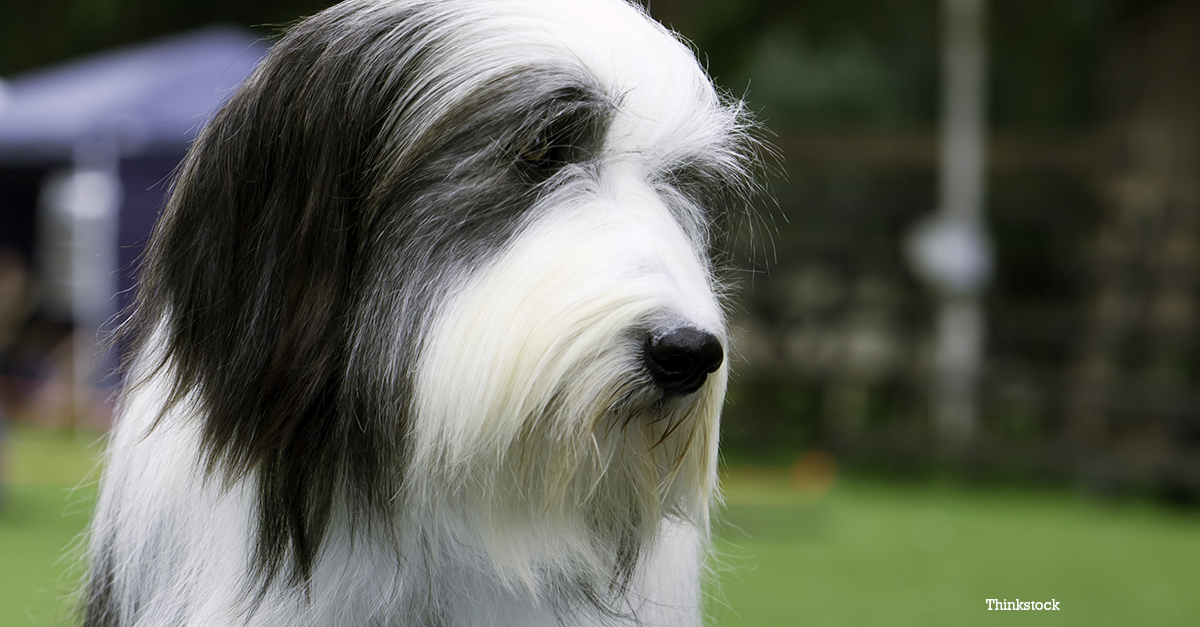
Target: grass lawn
[(881, 554), (41, 515), (863, 553)]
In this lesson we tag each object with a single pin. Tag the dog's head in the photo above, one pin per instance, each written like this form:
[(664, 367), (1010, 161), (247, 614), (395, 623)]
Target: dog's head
[(453, 262)]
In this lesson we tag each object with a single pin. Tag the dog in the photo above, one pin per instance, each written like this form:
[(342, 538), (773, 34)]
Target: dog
[(432, 331)]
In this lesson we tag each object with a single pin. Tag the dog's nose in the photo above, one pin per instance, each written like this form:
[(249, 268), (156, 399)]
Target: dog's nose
[(680, 359)]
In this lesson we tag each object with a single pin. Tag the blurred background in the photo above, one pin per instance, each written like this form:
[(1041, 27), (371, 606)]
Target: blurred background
[(967, 326)]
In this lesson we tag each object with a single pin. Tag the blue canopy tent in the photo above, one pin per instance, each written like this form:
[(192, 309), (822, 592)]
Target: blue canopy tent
[(86, 153), (136, 108), (146, 98)]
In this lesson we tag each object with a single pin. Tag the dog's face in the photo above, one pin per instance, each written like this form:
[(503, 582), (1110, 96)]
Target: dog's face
[(459, 257), (538, 398)]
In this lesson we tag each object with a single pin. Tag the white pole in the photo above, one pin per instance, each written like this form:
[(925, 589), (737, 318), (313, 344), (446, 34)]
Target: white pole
[(961, 322), (964, 94), (91, 200), (950, 248)]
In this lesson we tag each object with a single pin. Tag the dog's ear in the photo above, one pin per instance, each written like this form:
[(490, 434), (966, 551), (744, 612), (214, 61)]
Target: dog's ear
[(254, 267)]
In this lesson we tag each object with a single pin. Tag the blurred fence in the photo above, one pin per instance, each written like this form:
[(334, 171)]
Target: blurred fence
[(1092, 359)]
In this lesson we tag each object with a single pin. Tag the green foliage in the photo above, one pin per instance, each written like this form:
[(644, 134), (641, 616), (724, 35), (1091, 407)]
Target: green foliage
[(824, 62), (874, 63), (35, 33)]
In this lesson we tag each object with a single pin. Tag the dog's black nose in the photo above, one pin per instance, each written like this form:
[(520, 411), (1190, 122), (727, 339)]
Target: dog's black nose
[(680, 359)]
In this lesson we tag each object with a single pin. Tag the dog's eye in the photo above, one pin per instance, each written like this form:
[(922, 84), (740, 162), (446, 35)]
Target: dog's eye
[(542, 152), (549, 149)]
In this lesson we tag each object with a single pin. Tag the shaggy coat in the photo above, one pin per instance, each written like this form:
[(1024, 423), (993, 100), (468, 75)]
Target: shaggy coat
[(407, 332)]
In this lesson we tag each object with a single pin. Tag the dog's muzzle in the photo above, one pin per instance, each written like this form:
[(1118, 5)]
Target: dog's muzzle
[(680, 359)]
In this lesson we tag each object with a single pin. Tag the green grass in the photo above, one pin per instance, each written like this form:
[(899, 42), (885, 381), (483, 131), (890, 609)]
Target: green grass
[(881, 554), (865, 553), (41, 516)]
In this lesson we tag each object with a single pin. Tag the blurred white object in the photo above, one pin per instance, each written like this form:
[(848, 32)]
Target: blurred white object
[(950, 249), (951, 253), (79, 253)]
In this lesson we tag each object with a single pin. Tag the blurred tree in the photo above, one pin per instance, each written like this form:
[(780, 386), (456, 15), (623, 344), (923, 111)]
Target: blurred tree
[(34, 33), (820, 63)]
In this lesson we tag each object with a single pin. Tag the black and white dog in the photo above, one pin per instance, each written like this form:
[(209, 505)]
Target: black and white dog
[(429, 333)]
